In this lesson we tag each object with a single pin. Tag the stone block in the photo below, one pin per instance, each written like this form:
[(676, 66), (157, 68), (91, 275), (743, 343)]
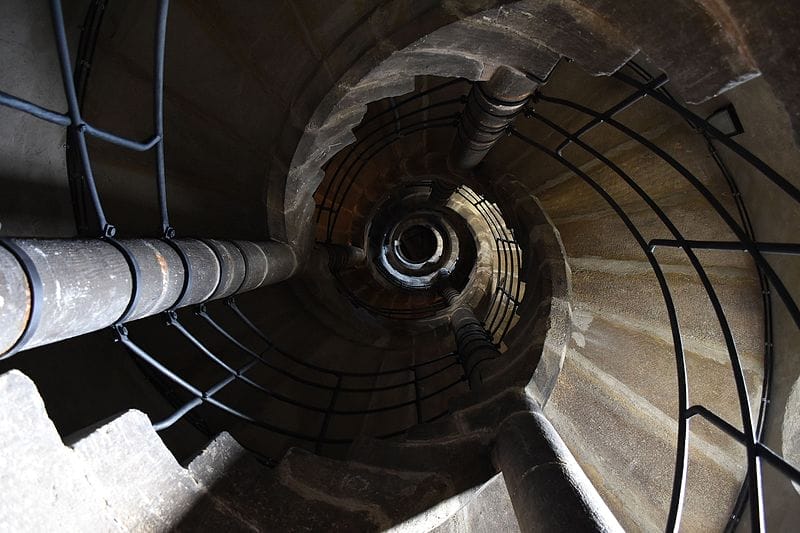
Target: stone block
[(392, 495), (138, 476), (45, 486), (488, 509), (255, 497)]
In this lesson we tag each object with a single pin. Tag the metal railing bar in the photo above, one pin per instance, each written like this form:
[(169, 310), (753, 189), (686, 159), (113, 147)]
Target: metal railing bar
[(418, 402), (177, 415), (333, 372), (626, 103), (741, 387), (508, 260), (74, 113), (682, 450), (780, 288), (304, 381), (158, 114), (327, 419), (278, 396), (763, 247), (65, 120), (37, 111), (761, 449), (701, 124)]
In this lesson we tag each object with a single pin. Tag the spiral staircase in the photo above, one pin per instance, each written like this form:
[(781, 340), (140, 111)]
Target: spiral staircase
[(401, 265)]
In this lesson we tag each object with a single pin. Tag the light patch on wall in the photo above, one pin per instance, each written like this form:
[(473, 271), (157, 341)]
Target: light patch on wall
[(790, 441)]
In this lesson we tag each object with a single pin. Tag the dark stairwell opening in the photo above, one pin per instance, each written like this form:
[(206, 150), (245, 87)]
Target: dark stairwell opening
[(456, 266)]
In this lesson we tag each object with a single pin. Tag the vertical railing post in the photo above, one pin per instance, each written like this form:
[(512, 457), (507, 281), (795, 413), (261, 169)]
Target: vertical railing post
[(326, 420)]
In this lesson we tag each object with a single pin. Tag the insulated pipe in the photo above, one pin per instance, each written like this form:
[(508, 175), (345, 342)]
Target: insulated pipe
[(344, 257), (54, 289), (473, 343), (491, 106), (441, 191)]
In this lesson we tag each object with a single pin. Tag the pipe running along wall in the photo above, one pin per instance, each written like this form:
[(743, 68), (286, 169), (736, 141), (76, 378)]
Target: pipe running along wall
[(54, 289)]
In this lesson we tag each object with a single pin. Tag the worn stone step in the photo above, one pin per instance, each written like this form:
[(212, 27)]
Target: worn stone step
[(137, 475), (645, 364), (46, 485), (463, 460), (486, 507), (628, 292), (242, 494), (389, 496), (626, 446)]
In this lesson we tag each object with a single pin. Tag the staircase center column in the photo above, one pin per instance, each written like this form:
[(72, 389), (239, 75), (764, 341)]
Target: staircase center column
[(474, 344)]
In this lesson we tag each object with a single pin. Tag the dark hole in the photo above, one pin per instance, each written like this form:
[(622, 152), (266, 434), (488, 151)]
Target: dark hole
[(417, 244)]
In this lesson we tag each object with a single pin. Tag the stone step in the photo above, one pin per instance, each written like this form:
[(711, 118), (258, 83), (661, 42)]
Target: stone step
[(242, 494), (462, 460), (626, 446), (645, 364), (628, 293), (138, 476), (488, 508), (389, 496), (45, 484)]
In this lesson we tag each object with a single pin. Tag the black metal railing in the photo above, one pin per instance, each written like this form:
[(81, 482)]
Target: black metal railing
[(275, 359), (751, 434), (344, 170), (81, 176)]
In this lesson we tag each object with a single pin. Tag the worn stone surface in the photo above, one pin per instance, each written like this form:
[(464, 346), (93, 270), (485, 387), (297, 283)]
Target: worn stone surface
[(463, 460), (390, 495), (138, 477), (45, 484), (253, 497), (489, 509)]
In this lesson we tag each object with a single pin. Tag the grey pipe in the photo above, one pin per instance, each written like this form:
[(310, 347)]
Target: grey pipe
[(491, 106), (83, 285)]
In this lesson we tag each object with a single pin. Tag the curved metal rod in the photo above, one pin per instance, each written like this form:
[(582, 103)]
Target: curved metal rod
[(158, 114), (741, 386), (74, 113), (333, 372), (701, 124), (681, 459), (766, 383), (786, 297), (173, 321), (222, 331)]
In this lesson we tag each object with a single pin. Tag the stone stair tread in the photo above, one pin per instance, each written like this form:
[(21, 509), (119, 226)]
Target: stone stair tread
[(628, 291), (51, 490), (627, 449), (653, 377), (463, 460), (393, 495), (139, 477), (255, 497), (489, 509)]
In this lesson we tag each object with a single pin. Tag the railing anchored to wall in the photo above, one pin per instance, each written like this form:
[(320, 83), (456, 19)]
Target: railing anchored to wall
[(752, 433), (81, 173), (344, 170)]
